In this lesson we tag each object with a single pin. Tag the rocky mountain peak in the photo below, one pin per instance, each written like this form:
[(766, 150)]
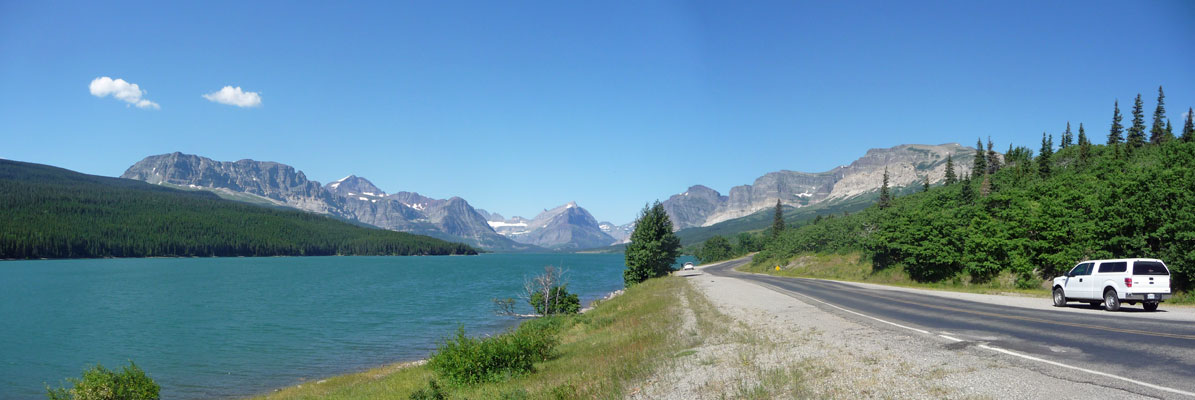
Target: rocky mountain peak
[(354, 185), (568, 226)]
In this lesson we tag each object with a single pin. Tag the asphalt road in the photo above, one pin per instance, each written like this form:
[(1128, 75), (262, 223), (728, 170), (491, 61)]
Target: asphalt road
[(1154, 357)]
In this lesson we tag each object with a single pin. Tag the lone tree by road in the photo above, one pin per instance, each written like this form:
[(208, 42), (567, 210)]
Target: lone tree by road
[(778, 220), (885, 194), (653, 248)]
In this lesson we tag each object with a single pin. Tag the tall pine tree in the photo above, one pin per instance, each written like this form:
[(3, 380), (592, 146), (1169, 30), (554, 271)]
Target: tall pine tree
[(653, 248), (993, 159), (925, 184), (778, 220), (1084, 144), (1067, 137), (980, 165), (951, 178), (1157, 133), (885, 194), (1047, 151), (1137, 131), (1189, 127), (1114, 136), (967, 193)]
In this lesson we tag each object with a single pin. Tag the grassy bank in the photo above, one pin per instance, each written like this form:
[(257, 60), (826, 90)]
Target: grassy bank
[(601, 354), (854, 267)]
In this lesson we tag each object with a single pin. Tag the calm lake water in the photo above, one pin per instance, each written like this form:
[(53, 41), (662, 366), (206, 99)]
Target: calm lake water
[(229, 327)]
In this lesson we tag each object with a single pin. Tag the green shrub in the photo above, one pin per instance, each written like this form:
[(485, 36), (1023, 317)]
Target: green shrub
[(465, 360), (99, 383), (433, 391), (562, 302)]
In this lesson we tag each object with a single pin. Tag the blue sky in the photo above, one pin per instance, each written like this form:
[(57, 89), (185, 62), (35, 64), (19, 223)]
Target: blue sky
[(521, 106)]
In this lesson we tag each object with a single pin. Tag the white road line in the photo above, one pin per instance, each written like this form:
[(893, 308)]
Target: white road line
[(1107, 375), (863, 315), (1008, 352), (951, 338)]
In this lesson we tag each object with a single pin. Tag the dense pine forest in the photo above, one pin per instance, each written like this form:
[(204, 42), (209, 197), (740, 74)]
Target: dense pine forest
[(1033, 216), (51, 212)]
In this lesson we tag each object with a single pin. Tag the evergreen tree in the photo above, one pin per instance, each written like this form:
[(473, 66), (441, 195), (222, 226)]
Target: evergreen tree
[(967, 195), (951, 178), (1067, 138), (1136, 136), (885, 194), (993, 159), (778, 220), (1169, 135), (1189, 127), (1084, 144), (1157, 133), (980, 165), (1114, 136), (1043, 159), (653, 248)]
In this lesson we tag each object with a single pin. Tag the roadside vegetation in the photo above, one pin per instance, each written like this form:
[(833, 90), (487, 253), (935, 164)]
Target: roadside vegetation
[(56, 213), (855, 267), (1016, 219)]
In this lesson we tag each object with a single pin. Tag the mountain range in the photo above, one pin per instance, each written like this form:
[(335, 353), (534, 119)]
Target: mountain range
[(353, 198), (907, 165)]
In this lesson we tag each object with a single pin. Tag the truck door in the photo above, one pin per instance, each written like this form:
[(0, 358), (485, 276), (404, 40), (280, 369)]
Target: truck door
[(1078, 282)]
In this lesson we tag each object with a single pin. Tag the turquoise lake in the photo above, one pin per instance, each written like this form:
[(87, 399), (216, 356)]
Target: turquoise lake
[(232, 327)]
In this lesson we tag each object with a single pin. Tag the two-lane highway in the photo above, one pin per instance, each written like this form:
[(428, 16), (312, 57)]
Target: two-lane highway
[(1152, 357)]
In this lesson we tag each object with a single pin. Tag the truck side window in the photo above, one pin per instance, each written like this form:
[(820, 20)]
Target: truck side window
[(1120, 266), (1082, 269)]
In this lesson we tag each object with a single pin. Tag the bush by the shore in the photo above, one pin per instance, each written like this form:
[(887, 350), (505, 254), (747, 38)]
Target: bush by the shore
[(465, 360), (99, 383)]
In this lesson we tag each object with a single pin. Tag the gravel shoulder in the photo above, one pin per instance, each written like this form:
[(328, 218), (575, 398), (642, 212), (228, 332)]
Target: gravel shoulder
[(759, 343)]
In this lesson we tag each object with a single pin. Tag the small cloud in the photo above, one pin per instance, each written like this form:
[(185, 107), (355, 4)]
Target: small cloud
[(234, 96), (122, 90)]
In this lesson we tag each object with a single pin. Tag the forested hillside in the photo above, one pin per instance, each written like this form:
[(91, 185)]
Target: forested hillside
[(51, 212), (1033, 216)]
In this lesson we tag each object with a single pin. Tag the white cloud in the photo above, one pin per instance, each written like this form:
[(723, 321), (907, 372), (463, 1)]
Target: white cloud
[(124, 91), (235, 97)]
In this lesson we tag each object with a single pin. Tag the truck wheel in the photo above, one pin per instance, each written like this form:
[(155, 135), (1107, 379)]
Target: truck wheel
[(1111, 302), (1150, 306), (1059, 298)]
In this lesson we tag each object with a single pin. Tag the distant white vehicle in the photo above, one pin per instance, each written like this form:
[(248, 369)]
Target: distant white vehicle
[(688, 266), (1129, 280)]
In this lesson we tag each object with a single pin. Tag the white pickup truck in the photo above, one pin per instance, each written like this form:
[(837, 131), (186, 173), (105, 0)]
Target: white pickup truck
[(1129, 280)]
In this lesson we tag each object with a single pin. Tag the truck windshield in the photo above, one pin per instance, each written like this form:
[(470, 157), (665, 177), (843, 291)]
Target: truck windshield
[(1149, 268)]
